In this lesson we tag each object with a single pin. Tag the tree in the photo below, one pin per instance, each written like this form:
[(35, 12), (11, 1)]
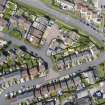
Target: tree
[(23, 48)]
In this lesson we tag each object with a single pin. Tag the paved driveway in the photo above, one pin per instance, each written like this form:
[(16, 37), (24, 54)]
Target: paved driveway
[(41, 52)]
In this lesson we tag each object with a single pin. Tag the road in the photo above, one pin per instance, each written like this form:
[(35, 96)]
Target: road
[(43, 55), (42, 52), (65, 18)]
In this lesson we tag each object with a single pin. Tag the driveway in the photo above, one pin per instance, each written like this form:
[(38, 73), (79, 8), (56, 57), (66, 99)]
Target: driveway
[(65, 18), (42, 52)]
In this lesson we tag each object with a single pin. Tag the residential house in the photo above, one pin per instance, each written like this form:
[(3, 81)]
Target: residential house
[(84, 56), (61, 65), (89, 77), (50, 102), (94, 51), (34, 36), (2, 43), (33, 72), (13, 75), (37, 30), (3, 23), (74, 59), (78, 83), (81, 101), (87, 13), (21, 24), (84, 101), (39, 26), (24, 74), (67, 61), (102, 88), (25, 97), (82, 94), (69, 103), (42, 20), (69, 38), (65, 5), (99, 4), (42, 65)]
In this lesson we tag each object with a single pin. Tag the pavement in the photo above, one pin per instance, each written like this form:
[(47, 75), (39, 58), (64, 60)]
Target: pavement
[(42, 52), (52, 74), (64, 18)]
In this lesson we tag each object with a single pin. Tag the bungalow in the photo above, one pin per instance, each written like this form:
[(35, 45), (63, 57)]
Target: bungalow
[(65, 5)]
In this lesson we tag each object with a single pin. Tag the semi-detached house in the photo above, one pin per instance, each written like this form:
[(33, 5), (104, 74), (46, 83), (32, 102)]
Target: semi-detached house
[(65, 5)]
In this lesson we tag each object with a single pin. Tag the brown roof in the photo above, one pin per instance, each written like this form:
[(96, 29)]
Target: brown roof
[(2, 22), (35, 40), (36, 33), (22, 23), (24, 74), (33, 72)]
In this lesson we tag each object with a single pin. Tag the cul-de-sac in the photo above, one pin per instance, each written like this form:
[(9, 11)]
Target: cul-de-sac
[(52, 52)]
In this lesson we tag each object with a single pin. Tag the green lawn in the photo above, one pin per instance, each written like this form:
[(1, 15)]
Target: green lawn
[(8, 12), (6, 30), (100, 102), (16, 34), (83, 42), (36, 12), (46, 1), (101, 71), (56, 7), (21, 59), (29, 9)]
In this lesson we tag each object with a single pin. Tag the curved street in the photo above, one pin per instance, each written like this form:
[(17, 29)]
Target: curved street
[(66, 19)]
